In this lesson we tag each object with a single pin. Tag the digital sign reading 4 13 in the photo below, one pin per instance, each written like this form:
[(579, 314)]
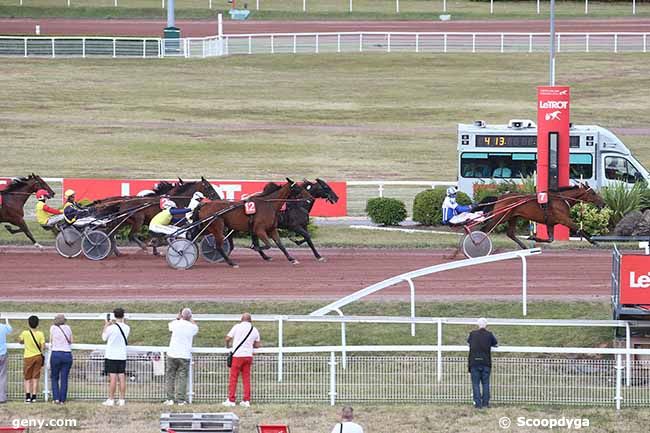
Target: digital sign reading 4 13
[(516, 141)]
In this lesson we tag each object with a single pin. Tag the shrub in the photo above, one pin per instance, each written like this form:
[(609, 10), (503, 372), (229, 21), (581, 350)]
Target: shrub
[(386, 211), (498, 188), (590, 219), (427, 206), (622, 200)]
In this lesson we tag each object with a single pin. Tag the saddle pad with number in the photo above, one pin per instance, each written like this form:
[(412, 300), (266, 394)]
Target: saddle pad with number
[(249, 208)]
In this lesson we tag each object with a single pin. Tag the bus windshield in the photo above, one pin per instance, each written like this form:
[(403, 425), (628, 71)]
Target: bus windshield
[(517, 165)]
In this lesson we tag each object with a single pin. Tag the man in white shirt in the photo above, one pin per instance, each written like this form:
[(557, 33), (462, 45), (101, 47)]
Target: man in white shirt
[(346, 425), (116, 334), (243, 338), (183, 330)]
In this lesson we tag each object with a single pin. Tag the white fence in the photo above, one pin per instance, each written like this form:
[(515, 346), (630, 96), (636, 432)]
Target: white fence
[(314, 43)]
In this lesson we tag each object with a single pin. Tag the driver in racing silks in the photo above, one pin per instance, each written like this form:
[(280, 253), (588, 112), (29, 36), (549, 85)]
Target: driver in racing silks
[(46, 216), (73, 212), (454, 213), (170, 214)]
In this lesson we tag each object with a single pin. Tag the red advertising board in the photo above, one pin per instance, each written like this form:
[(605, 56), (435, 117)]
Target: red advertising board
[(272, 428), (635, 280), (553, 111), (93, 189), (4, 181)]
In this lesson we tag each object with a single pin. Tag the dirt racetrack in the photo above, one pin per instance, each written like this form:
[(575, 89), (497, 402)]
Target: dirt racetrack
[(134, 27), (27, 274)]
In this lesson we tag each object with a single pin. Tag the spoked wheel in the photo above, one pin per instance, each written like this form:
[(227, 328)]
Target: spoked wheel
[(181, 254), (96, 245), (209, 248), (476, 244), (68, 243)]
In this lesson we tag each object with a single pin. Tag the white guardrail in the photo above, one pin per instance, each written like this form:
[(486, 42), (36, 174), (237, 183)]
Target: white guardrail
[(418, 373), (314, 43)]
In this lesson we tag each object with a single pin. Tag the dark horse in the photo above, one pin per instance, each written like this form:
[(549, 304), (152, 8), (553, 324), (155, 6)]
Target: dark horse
[(148, 206), (509, 207), (261, 225), (296, 216), (12, 201)]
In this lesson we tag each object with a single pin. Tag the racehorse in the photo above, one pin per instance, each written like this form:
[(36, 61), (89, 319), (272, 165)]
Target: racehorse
[(147, 207), (509, 207), (261, 225), (296, 216), (12, 201)]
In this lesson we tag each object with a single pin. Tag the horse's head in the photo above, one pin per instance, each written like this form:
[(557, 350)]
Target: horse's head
[(587, 194), (162, 188), (38, 183), (320, 189), (208, 189)]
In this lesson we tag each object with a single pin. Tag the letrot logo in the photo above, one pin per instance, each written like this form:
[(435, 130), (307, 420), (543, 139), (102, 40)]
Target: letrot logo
[(643, 282), (553, 105), (555, 115)]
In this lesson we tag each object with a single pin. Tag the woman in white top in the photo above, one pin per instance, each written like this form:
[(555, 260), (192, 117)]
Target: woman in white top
[(61, 358)]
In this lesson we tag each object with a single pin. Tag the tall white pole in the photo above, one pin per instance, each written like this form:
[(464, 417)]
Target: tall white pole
[(444, 5), (538, 7), (350, 5), (586, 7), (491, 7), (397, 6), (220, 25), (552, 45)]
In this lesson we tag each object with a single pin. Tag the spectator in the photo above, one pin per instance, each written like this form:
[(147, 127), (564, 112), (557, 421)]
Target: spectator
[(502, 171), (244, 337), (5, 329), (347, 425), (481, 341), (116, 334), (34, 343), (183, 330), (61, 358)]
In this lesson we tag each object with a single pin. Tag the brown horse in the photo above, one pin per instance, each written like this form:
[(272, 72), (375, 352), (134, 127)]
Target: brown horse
[(509, 207), (263, 224), (12, 201)]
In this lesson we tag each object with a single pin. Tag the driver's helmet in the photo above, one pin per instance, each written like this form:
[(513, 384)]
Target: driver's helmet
[(42, 194), (451, 191), (198, 196), (69, 193), (168, 204)]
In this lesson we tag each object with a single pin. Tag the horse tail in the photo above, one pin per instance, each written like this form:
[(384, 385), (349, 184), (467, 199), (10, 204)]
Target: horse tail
[(487, 204)]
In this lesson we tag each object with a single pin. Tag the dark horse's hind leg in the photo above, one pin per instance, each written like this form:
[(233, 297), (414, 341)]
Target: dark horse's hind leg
[(22, 227), (550, 229), (276, 238), (307, 238), (512, 233)]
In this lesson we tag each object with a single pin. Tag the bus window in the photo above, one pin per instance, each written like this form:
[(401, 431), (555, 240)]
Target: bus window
[(581, 166), (617, 168), (474, 165), (497, 165)]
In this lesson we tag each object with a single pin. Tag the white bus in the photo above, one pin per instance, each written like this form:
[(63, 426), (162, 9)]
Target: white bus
[(488, 153)]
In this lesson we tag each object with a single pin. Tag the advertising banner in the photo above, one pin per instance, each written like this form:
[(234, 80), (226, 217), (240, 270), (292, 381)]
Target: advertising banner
[(4, 181), (93, 189), (635, 280), (553, 111)]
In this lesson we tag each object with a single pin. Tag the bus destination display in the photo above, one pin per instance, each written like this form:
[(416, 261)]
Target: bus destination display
[(516, 141)]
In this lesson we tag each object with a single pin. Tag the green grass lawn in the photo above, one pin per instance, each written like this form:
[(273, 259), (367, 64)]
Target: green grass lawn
[(307, 334), (303, 418), (321, 10), (351, 117)]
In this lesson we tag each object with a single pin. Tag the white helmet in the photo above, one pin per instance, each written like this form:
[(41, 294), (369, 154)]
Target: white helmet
[(198, 196), (452, 190), (168, 204)]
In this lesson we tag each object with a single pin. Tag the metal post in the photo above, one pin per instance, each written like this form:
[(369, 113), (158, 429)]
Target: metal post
[(250, 44), (502, 36), (360, 42), (491, 7), (171, 18), (280, 346), (445, 43), (83, 47), (439, 358), (444, 5), (257, 5), (473, 42), (332, 392), (53, 54), (144, 48), (338, 43), (25, 40), (417, 42), (316, 43), (344, 351), (162, 4), (552, 45), (587, 43), (381, 190), (633, 7), (524, 285), (203, 48), (350, 6), (619, 367), (209, 4), (628, 356), (645, 39), (388, 44), (616, 42), (586, 7), (114, 47), (272, 45), (190, 380), (46, 376), (538, 7), (68, 3), (396, 6), (559, 42), (115, 3), (530, 43), (412, 288), (304, 5), (294, 43)]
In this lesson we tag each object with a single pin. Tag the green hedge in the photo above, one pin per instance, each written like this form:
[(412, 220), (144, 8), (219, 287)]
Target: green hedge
[(386, 211), (590, 219), (427, 206)]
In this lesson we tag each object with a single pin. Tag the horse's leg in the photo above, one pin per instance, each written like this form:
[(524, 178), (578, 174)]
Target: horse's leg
[(217, 231), (567, 221), (276, 238), (23, 228), (512, 232), (307, 238), (256, 245), (12, 230)]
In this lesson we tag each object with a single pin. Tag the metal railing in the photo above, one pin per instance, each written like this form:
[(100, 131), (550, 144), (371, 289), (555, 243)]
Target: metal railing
[(314, 43), (317, 374)]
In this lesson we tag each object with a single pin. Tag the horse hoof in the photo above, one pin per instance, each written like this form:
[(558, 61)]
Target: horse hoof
[(295, 262), (39, 246), (234, 266), (322, 259), (268, 259)]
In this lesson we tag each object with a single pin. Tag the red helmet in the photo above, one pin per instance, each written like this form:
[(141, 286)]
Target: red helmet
[(42, 194)]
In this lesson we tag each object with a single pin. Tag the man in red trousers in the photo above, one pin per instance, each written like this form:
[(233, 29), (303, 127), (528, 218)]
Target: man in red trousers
[(243, 338)]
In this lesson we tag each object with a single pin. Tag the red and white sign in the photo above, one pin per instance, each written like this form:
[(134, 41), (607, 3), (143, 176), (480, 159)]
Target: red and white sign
[(553, 111), (4, 182), (94, 189), (635, 280)]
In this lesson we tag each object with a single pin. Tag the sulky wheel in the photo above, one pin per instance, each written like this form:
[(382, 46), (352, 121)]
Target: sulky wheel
[(68, 243), (209, 250), (181, 254), (476, 244), (96, 245)]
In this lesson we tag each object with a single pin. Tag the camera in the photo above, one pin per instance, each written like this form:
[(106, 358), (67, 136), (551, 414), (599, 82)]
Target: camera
[(110, 317)]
